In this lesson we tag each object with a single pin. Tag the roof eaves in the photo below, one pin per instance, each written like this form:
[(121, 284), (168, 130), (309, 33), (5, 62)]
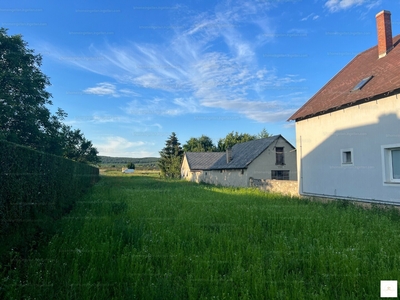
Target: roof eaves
[(354, 103)]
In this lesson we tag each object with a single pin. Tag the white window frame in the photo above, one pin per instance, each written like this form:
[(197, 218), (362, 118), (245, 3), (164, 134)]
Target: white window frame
[(342, 152), (387, 165)]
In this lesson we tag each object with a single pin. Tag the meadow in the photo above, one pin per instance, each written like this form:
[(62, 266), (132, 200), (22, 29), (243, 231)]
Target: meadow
[(141, 237)]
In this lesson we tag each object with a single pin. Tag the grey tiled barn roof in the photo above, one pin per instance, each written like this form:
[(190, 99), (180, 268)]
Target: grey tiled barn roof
[(202, 160), (242, 155)]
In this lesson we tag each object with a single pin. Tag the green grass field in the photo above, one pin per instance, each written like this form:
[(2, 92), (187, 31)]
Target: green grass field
[(141, 237)]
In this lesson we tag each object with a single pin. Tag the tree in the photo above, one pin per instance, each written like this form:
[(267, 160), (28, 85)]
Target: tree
[(201, 144), (130, 165), (232, 139), (23, 114), (77, 147), (263, 134), (24, 117), (171, 158)]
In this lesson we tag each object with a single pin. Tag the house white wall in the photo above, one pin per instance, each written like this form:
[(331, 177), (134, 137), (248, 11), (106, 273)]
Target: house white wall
[(226, 177), (190, 175), (362, 130), (261, 167)]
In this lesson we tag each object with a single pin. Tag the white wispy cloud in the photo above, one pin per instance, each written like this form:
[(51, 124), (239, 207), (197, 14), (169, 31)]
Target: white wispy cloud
[(109, 89), (121, 147), (196, 75), (102, 89), (337, 5), (313, 16)]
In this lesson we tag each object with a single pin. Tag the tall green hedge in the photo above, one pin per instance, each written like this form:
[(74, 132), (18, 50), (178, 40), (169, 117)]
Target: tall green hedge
[(37, 188)]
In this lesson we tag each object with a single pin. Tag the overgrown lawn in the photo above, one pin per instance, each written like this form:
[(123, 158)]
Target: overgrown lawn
[(141, 237)]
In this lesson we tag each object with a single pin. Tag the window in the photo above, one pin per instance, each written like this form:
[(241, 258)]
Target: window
[(280, 158), (347, 157), (360, 85), (242, 171), (391, 163), (280, 175), (395, 164)]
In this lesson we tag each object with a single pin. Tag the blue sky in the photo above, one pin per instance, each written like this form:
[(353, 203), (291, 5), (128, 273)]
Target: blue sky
[(129, 73)]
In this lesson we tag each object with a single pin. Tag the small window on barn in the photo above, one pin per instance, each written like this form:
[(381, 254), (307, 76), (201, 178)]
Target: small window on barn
[(280, 174), (220, 171), (280, 158), (206, 173), (347, 156), (242, 171)]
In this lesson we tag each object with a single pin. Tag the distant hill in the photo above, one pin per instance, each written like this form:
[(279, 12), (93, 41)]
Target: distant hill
[(144, 162)]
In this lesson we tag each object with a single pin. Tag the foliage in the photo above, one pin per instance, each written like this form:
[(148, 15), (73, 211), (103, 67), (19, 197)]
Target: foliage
[(171, 158), (36, 188), (77, 147), (108, 160), (201, 144), (141, 237), (131, 165), (263, 134), (232, 139), (22, 94), (24, 117)]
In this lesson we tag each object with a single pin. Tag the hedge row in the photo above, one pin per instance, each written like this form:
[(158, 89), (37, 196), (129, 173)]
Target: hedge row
[(37, 188)]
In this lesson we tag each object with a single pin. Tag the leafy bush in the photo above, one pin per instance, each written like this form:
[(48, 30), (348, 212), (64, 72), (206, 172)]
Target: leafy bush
[(130, 165)]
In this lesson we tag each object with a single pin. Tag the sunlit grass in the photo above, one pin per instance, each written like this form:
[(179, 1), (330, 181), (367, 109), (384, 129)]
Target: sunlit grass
[(141, 237)]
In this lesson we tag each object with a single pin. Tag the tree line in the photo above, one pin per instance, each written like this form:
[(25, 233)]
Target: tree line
[(24, 116), (172, 154)]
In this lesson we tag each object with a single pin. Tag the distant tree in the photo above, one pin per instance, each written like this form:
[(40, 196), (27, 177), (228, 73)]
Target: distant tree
[(201, 144), (232, 139), (263, 134), (171, 158), (130, 165)]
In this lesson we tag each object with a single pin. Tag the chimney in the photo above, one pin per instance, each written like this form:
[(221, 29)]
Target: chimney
[(228, 155), (384, 26)]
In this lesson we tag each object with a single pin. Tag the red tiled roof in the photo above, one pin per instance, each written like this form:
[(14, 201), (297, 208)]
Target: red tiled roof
[(337, 94)]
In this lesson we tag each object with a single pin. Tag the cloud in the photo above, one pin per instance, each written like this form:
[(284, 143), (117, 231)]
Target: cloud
[(102, 89), (188, 74), (120, 147), (312, 15), (337, 5), (108, 89), (160, 106)]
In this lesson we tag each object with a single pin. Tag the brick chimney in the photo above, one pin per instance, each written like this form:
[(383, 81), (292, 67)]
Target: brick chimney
[(384, 26), (228, 155)]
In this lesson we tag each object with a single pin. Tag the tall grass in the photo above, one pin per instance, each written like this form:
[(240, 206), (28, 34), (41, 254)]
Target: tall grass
[(141, 237)]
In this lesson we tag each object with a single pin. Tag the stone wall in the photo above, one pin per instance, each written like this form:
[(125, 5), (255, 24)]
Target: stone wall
[(287, 187)]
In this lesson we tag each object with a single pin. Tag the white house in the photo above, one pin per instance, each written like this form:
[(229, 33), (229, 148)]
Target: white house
[(262, 159), (127, 171), (348, 133)]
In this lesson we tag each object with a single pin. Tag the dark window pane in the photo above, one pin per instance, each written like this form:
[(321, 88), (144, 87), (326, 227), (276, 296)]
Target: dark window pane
[(396, 164), (280, 175), (280, 159)]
